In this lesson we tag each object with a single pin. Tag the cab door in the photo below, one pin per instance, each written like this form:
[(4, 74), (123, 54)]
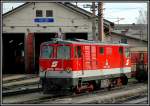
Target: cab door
[(78, 58), (121, 60), (108, 57), (127, 59)]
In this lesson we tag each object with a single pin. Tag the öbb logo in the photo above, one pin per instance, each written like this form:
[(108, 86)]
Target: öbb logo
[(54, 64)]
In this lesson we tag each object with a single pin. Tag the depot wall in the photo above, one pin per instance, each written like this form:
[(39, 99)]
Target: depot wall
[(69, 21), (22, 21)]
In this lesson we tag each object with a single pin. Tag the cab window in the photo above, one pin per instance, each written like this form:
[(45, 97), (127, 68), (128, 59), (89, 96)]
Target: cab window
[(127, 53), (101, 50), (121, 50), (46, 52), (63, 52)]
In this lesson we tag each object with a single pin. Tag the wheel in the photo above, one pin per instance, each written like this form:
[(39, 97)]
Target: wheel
[(141, 76), (119, 81), (96, 85), (45, 86), (124, 79)]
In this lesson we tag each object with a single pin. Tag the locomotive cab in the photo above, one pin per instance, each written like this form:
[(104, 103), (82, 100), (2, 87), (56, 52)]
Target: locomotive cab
[(57, 63), (55, 57)]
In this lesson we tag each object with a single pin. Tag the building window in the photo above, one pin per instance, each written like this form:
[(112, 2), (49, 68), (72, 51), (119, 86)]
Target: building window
[(49, 13), (101, 50), (124, 41), (39, 13)]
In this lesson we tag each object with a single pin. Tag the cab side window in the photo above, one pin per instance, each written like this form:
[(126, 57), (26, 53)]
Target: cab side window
[(121, 50), (101, 50), (127, 53)]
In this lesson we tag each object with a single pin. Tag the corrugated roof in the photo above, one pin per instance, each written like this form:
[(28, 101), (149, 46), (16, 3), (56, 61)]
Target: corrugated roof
[(119, 34)]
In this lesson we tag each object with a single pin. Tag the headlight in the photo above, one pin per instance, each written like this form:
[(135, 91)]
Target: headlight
[(68, 69), (40, 69)]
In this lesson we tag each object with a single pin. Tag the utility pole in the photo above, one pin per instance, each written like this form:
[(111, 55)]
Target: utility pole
[(77, 4), (93, 9), (100, 22), (93, 22)]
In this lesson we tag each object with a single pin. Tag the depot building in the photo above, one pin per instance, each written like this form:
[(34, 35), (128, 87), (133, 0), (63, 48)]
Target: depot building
[(27, 26)]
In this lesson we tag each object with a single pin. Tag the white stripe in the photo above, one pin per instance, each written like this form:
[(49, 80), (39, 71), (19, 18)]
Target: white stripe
[(87, 73)]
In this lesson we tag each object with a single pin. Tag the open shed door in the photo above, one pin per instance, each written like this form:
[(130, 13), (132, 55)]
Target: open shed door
[(13, 59)]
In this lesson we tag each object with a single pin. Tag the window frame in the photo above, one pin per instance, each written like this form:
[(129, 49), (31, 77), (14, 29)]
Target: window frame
[(47, 13), (68, 53), (127, 51), (101, 48), (50, 55), (124, 40), (38, 14), (76, 52), (120, 50)]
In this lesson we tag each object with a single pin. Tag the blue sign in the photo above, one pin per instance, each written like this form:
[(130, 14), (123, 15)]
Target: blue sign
[(43, 20)]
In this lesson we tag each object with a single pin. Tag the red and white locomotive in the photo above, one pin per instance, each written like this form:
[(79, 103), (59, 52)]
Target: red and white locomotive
[(83, 65)]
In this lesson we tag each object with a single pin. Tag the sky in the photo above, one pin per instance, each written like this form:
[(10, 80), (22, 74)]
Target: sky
[(126, 12)]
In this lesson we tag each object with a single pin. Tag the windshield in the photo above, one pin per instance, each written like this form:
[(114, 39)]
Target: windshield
[(63, 52), (46, 52)]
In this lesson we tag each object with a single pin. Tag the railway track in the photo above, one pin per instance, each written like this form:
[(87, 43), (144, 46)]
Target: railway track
[(10, 82), (39, 97), (143, 99), (103, 96), (27, 88), (8, 78), (24, 86), (16, 77), (19, 84), (22, 90)]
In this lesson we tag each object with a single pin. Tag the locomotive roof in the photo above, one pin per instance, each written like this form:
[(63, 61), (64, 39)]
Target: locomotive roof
[(83, 42)]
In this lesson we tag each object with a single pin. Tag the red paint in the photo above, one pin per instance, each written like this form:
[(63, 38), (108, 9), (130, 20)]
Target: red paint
[(30, 52), (91, 58), (136, 57)]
